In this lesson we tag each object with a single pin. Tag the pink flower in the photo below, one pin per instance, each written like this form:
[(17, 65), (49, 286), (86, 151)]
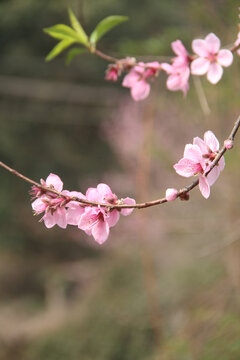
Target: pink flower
[(112, 72), (210, 148), (96, 221), (51, 204), (197, 160), (179, 70), (211, 59), (137, 77), (171, 194)]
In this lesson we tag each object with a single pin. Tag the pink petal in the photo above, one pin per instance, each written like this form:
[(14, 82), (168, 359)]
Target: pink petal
[(140, 90), (167, 67), (87, 219), (213, 43), (200, 47), (173, 82), (100, 232), (130, 79), (186, 167), (201, 144), (39, 206), (55, 181), (179, 48), (211, 141), (213, 175), (128, 201), (193, 152), (214, 73), (153, 65), (74, 215), (74, 204), (200, 66), (225, 57), (104, 191), (204, 186), (49, 220), (61, 217), (221, 163), (92, 194), (113, 217)]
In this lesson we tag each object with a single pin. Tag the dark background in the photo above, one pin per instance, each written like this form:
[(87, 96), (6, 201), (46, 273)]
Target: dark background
[(166, 283)]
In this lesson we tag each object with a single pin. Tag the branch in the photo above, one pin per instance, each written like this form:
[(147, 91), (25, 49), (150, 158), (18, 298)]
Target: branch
[(181, 193)]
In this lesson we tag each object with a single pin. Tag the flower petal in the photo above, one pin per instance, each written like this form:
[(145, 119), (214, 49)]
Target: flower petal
[(221, 163), (74, 215), (211, 141), (186, 167), (87, 219), (49, 220), (214, 73), (225, 57), (55, 181), (179, 48), (167, 67), (100, 232), (140, 90), (128, 201), (193, 152), (200, 47), (213, 175), (213, 43), (204, 186), (201, 144), (200, 66), (104, 191), (113, 217), (130, 79), (92, 194), (61, 217)]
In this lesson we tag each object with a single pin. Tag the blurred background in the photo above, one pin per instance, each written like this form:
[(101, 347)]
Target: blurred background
[(166, 284)]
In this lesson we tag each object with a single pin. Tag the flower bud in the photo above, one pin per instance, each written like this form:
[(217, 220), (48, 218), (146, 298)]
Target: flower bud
[(228, 144), (171, 194)]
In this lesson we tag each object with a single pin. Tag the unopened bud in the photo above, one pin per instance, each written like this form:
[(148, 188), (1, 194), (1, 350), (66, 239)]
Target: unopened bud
[(228, 144), (171, 194)]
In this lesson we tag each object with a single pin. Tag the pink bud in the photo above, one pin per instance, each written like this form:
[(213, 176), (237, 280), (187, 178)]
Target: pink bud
[(228, 144), (171, 194)]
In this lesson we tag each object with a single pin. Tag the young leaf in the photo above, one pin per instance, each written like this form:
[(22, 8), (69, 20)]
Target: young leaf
[(78, 27), (62, 45), (104, 26), (62, 32), (74, 52)]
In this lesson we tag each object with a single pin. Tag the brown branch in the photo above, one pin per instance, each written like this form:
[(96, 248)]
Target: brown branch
[(143, 205)]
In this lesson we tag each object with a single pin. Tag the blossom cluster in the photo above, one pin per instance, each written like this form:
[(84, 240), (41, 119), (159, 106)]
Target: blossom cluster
[(207, 59), (61, 209), (197, 160)]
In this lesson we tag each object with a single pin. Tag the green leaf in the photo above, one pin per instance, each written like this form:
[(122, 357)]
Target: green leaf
[(63, 32), (74, 52), (78, 27), (62, 45), (105, 25)]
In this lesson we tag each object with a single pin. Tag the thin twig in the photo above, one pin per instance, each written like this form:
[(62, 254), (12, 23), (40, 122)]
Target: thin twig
[(143, 205)]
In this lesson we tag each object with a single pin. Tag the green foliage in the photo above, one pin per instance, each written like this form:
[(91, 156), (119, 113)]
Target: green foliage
[(78, 28), (62, 45), (104, 26), (63, 32)]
